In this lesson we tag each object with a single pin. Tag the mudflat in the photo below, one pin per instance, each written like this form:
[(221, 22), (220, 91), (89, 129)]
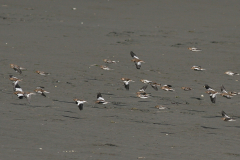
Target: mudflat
[(70, 39)]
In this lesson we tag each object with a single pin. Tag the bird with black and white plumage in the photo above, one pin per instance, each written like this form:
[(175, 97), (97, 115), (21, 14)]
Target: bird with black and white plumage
[(197, 68), (80, 103), (213, 94), (142, 92), (225, 117), (136, 60), (26, 95), (100, 99), (15, 81), (126, 82)]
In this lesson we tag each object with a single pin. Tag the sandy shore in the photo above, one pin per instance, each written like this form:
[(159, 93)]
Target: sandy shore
[(53, 37)]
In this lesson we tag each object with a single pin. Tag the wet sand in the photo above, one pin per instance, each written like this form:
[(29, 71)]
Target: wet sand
[(50, 36)]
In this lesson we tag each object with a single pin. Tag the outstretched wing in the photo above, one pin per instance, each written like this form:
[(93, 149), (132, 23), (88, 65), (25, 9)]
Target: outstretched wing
[(99, 95), (126, 86), (154, 87), (143, 88), (225, 115), (223, 89), (133, 55), (80, 106)]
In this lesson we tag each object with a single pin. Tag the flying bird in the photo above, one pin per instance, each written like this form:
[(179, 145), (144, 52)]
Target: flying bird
[(213, 94), (167, 87), (17, 68), (80, 103), (42, 73), (136, 60), (100, 99), (194, 49), (126, 82), (197, 68), (41, 91), (225, 117), (230, 73)]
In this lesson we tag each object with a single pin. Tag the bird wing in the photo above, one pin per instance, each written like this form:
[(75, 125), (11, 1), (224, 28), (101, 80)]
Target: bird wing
[(99, 95), (225, 115), (126, 85), (154, 87), (80, 106), (223, 89), (133, 55), (143, 88)]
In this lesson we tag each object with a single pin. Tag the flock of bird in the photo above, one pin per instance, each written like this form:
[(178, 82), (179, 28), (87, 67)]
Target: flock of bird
[(126, 81)]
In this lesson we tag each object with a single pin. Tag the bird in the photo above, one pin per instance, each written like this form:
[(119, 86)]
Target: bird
[(213, 94), (167, 87), (160, 107), (126, 82), (230, 73), (15, 81), (207, 87), (17, 68), (194, 49), (155, 85), (42, 73), (225, 117), (100, 99), (22, 94), (16, 88), (109, 61), (145, 81), (105, 68), (186, 88), (12, 78), (41, 91), (197, 68), (226, 94), (136, 60), (80, 103), (143, 95)]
